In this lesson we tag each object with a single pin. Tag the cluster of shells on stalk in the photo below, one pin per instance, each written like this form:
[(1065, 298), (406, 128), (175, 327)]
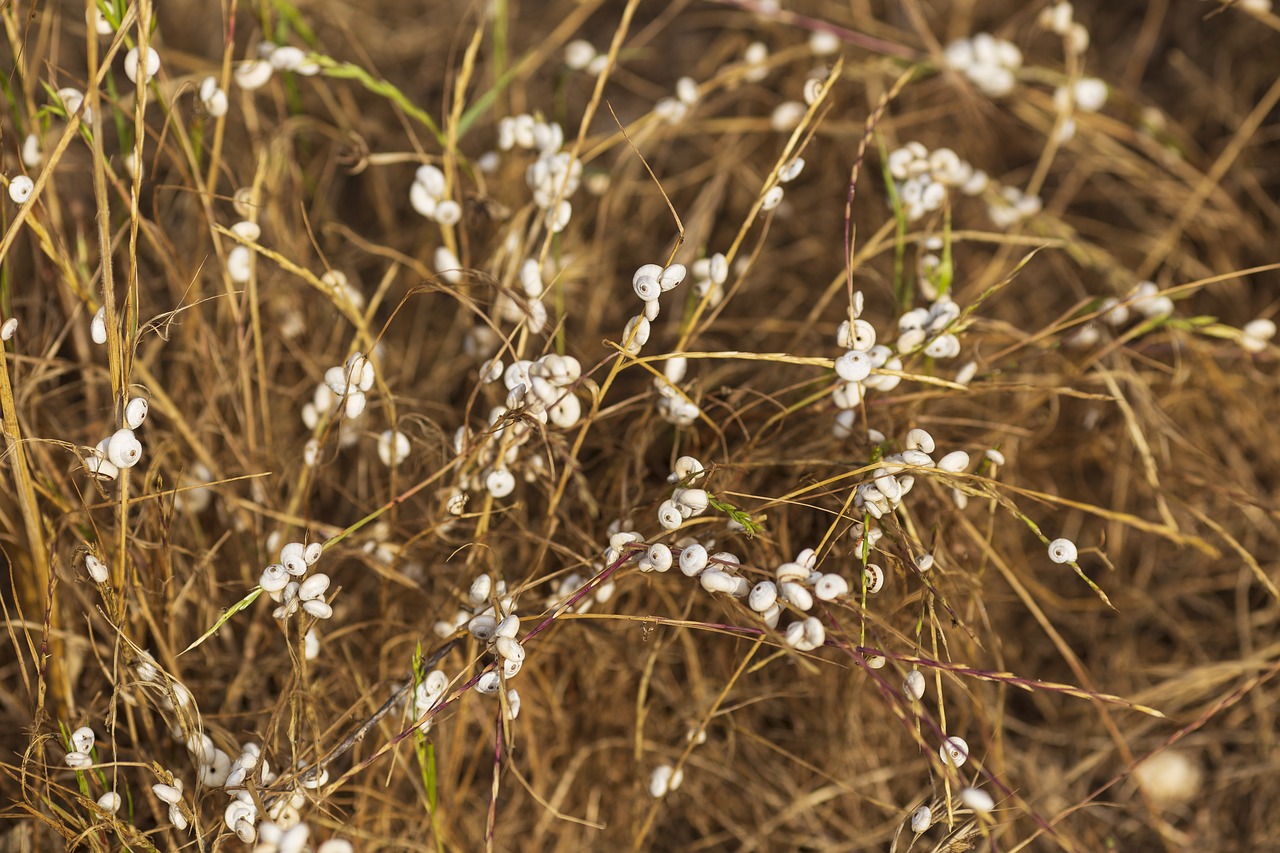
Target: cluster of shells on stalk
[(884, 493), (288, 584), (539, 394), (686, 501), (121, 450), (489, 616)]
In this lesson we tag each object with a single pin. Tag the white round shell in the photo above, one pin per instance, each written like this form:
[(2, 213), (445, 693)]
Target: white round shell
[(135, 412)]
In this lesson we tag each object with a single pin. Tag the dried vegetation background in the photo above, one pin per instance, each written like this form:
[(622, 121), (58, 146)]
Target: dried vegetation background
[(1152, 447)]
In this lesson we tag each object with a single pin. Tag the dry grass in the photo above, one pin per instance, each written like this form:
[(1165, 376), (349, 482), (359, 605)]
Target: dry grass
[(1153, 448)]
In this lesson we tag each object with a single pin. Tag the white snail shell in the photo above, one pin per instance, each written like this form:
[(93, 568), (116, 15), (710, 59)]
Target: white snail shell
[(954, 462), (917, 457), (695, 500), (797, 594), (83, 739), (500, 482), (240, 264), (874, 576), (636, 333), (483, 627), (123, 449), (274, 578), (356, 402), (293, 557), (954, 751), (830, 587), (1063, 551), (313, 587), (237, 810), (978, 800), (252, 73), (685, 467), (647, 287), (669, 515), (864, 335), (101, 468), (914, 685), (510, 649), (135, 412), (480, 588), (659, 557), (815, 634), (664, 780), (791, 573), (132, 61), (96, 568), (652, 271), (763, 596), (918, 439), (853, 366), (566, 412), (794, 635), (393, 447), (20, 188), (317, 608), (693, 559), (714, 580), (888, 485), (671, 276), (78, 760), (436, 683), (98, 326), (167, 793)]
